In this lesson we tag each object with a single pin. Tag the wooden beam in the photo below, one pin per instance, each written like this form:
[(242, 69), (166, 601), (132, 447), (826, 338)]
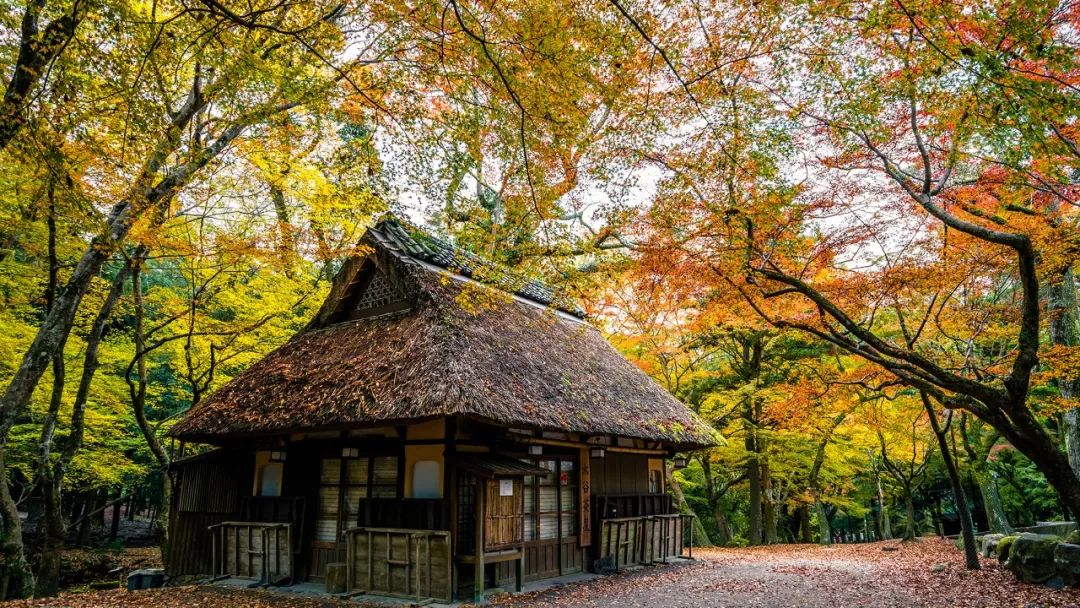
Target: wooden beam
[(478, 575)]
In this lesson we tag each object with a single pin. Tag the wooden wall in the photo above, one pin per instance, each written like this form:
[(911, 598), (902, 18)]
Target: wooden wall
[(400, 563), (618, 473), (208, 491), (641, 540), (255, 551), (503, 526)]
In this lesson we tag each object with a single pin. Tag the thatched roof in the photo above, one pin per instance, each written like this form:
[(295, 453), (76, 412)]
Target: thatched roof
[(456, 348)]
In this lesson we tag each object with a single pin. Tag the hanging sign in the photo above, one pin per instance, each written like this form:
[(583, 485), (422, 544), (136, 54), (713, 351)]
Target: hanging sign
[(506, 487)]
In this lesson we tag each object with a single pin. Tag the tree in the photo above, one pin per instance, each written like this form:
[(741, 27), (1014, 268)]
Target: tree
[(971, 555), (905, 454), (909, 145), (979, 443), (38, 47), (188, 116)]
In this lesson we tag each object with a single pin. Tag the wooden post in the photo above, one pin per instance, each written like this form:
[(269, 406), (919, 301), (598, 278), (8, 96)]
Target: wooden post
[(691, 552), (213, 552), (478, 575), (350, 561), (370, 561), (618, 542)]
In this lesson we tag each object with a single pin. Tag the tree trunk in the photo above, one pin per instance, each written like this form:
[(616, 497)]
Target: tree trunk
[(51, 527), (53, 536), (701, 538), (1029, 436), (768, 505), (995, 512), (16, 579), (823, 520), (86, 519), (879, 520), (806, 535), (1065, 331), (52, 474), (712, 497), (114, 524), (753, 476), (967, 530), (909, 507)]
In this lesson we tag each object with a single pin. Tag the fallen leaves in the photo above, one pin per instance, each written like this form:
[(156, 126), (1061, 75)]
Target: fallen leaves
[(878, 575), (804, 576)]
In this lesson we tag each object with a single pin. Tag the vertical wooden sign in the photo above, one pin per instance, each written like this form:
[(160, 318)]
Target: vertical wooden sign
[(585, 537)]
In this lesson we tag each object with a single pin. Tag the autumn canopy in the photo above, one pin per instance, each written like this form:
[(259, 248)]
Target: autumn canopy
[(842, 235)]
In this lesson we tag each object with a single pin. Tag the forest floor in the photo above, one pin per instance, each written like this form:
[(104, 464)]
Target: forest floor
[(925, 574)]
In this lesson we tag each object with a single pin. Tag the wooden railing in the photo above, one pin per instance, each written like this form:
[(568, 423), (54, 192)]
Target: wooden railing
[(641, 540), (252, 550), (399, 562)]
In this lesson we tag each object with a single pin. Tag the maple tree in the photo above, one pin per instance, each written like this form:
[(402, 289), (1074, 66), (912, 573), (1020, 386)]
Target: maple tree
[(817, 223), (865, 181)]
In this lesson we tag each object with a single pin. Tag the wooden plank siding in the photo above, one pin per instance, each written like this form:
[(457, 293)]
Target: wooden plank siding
[(253, 551), (642, 540), (206, 492), (503, 525), (619, 473), (399, 563)]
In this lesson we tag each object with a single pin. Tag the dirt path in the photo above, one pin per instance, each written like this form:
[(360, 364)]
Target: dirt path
[(925, 574)]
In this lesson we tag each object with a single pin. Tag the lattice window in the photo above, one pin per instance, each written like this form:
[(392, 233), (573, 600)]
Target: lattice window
[(379, 292)]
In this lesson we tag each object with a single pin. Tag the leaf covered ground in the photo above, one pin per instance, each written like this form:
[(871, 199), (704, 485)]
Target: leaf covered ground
[(925, 574), (928, 573)]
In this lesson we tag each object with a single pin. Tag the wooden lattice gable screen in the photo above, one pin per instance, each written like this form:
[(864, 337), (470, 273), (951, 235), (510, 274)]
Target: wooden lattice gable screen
[(373, 286), (378, 293)]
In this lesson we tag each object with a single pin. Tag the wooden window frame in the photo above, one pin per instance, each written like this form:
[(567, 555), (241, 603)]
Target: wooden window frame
[(369, 485), (560, 512)]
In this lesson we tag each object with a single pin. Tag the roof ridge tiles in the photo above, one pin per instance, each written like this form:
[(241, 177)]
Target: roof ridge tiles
[(418, 244)]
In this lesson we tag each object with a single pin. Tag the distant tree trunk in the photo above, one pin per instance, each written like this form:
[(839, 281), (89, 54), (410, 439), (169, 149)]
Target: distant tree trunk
[(1065, 331), (815, 474), (16, 579), (823, 519), (753, 476), (86, 519), (967, 530), (909, 507), (286, 244), (712, 497), (886, 521), (137, 392), (995, 512), (701, 537), (768, 505), (52, 475), (879, 524), (114, 524), (802, 514)]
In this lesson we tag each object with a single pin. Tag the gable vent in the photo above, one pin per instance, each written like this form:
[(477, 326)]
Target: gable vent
[(378, 293)]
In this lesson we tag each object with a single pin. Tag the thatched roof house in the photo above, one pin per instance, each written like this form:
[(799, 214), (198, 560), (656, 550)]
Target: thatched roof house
[(436, 401), (408, 334)]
